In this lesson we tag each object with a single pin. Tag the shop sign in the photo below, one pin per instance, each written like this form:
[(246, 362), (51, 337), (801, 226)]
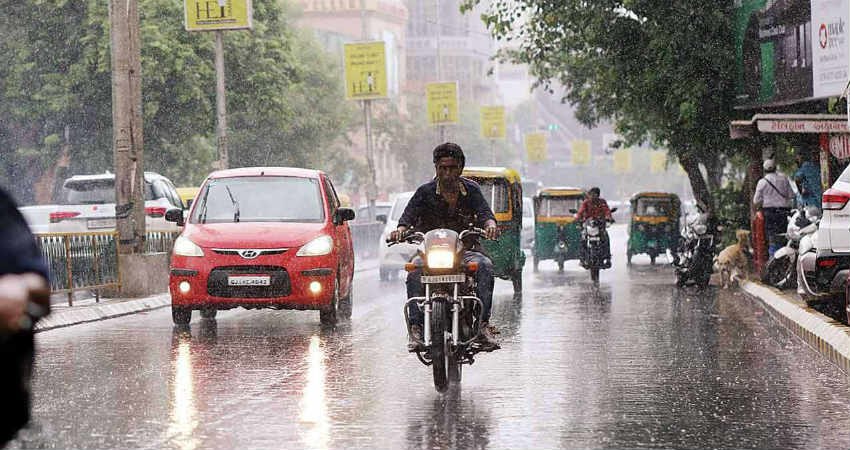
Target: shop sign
[(839, 146), (802, 126)]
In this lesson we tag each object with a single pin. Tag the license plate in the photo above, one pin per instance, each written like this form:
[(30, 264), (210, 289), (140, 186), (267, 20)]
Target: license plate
[(593, 239), (263, 280), (101, 223), (430, 279)]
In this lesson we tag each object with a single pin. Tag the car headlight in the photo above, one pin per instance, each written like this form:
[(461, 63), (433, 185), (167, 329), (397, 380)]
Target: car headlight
[(322, 245), (184, 247), (441, 259)]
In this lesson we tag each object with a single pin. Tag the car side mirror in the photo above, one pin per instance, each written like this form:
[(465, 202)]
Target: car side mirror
[(381, 218), (344, 215), (573, 210), (175, 215)]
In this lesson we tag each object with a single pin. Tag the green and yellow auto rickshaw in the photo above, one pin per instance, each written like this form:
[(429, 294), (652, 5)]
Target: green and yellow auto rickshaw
[(556, 234), (503, 190), (654, 224)]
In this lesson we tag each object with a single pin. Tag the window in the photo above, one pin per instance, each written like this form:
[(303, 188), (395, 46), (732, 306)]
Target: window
[(653, 207), (260, 199), (94, 192), (559, 206), (496, 192)]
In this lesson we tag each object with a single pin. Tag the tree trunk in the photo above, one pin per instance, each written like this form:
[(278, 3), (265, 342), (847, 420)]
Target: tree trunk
[(714, 172), (698, 184)]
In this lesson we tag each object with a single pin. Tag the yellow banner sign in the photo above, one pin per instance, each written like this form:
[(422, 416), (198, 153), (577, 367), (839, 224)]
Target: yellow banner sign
[(657, 162), (442, 103), (581, 152), (210, 15), (365, 71), (493, 122), (535, 147), (623, 161)]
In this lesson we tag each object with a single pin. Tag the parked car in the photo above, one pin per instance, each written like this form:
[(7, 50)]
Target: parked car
[(263, 237), (38, 216), (382, 209), (89, 203), (392, 259), (832, 263), (527, 222)]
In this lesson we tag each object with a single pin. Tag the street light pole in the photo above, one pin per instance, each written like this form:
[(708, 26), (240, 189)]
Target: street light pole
[(220, 103)]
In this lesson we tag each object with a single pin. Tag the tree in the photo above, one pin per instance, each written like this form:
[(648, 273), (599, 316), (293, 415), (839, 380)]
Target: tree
[(661, 69)]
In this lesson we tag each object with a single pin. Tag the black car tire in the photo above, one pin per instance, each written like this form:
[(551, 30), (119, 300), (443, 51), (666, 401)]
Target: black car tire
[(181, 315), (209, 313), (346, 304)]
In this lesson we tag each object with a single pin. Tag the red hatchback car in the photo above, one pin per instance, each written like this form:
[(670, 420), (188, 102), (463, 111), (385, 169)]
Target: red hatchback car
[(263, 237)]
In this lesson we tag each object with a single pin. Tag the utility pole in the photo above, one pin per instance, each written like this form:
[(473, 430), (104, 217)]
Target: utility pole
[(220, 103), (439, 63), (127, 147), (371, 187)]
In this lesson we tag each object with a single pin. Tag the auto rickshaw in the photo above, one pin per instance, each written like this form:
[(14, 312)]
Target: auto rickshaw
[(556, 234), (654, 224), (503, 190)]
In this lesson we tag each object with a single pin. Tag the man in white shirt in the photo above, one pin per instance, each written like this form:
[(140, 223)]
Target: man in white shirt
[(774, 195)]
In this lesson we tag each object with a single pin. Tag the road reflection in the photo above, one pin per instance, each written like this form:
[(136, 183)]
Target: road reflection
[(184, 416), (450, 421), (313, 404)]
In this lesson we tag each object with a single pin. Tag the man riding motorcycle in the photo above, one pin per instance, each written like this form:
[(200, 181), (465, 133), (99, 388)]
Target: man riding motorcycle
[(453, 202), (594, 207)]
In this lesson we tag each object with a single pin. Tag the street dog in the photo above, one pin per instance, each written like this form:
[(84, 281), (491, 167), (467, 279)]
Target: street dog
[(732, 262)]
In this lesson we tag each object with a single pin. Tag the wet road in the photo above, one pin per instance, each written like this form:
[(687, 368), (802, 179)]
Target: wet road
[(636, 364)]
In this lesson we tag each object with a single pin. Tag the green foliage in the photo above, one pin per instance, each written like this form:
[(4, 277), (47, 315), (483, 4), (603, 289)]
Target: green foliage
[(284, 98), (733, 206)]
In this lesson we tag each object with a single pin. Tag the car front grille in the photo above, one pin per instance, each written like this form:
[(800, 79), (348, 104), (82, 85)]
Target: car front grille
[(280, 285)]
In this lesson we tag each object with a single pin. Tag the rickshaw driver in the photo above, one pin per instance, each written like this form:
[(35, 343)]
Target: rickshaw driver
[(594, 207), (453, 202)]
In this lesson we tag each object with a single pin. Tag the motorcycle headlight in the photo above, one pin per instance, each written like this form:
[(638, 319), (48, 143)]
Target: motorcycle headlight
[(700, 228), (441, 259), (322, 245), (184, 247), (592, 231)]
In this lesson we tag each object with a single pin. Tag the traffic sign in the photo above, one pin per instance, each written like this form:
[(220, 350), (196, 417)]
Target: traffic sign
[(442, 103), (365, 71), (493, 122), (211, 15), (535, 147), (657, 161), (623, 161), (580, 152)]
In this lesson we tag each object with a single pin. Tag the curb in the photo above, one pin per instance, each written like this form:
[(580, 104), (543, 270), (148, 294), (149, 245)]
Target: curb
[(100, 312), (826, 336)]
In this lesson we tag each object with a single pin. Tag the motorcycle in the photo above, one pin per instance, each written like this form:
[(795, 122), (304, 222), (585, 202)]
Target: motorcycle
[(781, 269), (595, 253), (451, 306), (561, 248), (695, 255)]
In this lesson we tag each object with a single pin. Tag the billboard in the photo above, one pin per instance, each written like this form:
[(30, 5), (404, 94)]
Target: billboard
[(442, 103), (790, 50), (211, 15), (365, 70)]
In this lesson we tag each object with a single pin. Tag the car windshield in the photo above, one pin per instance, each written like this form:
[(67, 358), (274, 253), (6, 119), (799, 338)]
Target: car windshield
[(260, 199), (654, 207), (558, 206), (82, 192), (495, 191), (398, 207)]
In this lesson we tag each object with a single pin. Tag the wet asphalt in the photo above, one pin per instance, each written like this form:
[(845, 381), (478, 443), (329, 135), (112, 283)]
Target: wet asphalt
[(636, 363)]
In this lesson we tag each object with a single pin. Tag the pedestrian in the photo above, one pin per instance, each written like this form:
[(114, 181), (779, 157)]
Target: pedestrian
[(808, 181), (773, 196), (24, 297)]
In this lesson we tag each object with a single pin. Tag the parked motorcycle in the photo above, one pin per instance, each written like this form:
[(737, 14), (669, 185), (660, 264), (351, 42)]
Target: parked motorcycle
[(595, 253), (695, 256), (781, 268), (451, 305)]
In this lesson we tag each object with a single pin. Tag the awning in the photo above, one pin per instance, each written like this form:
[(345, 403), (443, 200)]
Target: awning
[(788, 123)]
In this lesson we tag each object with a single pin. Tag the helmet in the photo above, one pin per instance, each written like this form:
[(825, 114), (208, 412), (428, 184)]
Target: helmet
[(769, 165), (449, 150)]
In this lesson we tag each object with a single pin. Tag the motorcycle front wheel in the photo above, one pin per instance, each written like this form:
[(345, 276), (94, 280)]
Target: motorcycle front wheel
[(443, 360), (594, 275)]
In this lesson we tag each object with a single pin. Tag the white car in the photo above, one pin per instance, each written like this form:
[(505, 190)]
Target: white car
[(392, 259), (89, 204), (833, 238), (38, 216), (527, 234)]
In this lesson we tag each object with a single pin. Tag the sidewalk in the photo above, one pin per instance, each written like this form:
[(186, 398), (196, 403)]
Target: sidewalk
[(87, 310), (826, 336)]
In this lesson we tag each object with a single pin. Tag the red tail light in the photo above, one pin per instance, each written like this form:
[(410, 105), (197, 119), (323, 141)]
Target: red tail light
[(56, 217), (827, 262), (835, 199), (155, 211)]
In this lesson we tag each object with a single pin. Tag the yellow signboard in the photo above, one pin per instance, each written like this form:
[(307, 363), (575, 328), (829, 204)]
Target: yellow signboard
[(581, 152), (535, 147), (442, 103), (657, 161), (210, 15), (623, 161), (365, 71), (493, 122)]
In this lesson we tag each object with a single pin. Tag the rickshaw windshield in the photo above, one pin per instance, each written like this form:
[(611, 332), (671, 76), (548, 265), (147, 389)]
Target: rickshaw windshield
[(496, 193), (558, 206), (654, 207)]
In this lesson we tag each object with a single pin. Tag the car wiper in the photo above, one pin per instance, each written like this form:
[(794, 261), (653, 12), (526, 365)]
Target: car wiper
[(235, 205)]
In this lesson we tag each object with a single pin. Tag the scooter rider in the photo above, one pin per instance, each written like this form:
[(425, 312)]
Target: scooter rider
[(453, 202), (594, 207)]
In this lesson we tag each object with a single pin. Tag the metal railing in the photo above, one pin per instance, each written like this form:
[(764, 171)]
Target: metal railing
[(365, 238), (89, 261)]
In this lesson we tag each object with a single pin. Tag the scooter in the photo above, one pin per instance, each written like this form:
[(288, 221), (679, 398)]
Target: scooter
[(781, 269), (695, 255)]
